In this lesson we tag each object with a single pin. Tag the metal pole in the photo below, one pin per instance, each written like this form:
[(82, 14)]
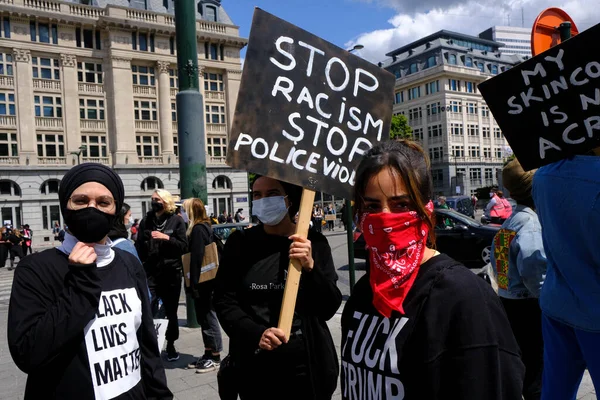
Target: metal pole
[(350, 238), (565, 31), (190, 116)]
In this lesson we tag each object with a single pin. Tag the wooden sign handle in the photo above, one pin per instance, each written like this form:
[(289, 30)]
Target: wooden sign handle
[(295, 268)]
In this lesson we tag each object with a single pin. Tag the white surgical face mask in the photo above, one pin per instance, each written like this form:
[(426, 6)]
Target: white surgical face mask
[(270, 210), (131, 220), (491, 195)]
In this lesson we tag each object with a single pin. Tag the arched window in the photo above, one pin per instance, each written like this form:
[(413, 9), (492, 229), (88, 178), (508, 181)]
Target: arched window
[(413, 68), (9, 188), (151, 183), (468, 62), (431, 62), (452, 59), (50, 186), (221, 182)]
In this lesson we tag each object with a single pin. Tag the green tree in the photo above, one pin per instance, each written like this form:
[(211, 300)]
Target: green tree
[(400, 128)]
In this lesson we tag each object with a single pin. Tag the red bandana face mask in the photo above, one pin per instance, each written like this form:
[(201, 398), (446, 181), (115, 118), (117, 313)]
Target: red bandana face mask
[(396, 244)]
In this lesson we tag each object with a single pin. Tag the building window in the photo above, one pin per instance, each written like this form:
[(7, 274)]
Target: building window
[(144, 110), (498, 152), (431, 62), (88, 38), (211, 51), (142, 41), (414, 93), (494, 69), (6, 64), (173, 78), (89, 72), (399, 97), (415, 113), (418, 133), (151, 183), (213, 82), (412, 69), (398, 74), (91, 109), (143, 75), (471, 108), (43, 32), (221, 182), (434, 131), (9, 147), (176, 145), (9, 188), (5, 31), (497, 133), (7, 104), (45, 68), (474, 152), (473, 130), (48, 106), (51, 216), (433, 108), (437, 175), (481, 66), (468, 62), (50, 145), (458, 151), (432, 87), (172, 45), (95, 146), (173, 111), (147, 145), (452, 59), (217, 146), (456, 129), (485, 131), (454, 84), (485, 111), (211, 14), (488, 174), (475, 175), (455, 106), (215, 114), (470, 87), (50, 186), (436, 153), (487, 153)]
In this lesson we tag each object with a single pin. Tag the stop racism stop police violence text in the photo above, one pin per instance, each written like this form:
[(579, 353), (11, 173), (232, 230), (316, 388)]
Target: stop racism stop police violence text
[(338, 143)]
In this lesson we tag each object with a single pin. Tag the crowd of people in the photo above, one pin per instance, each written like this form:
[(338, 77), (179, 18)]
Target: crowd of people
[(14, 243), (418, 325)]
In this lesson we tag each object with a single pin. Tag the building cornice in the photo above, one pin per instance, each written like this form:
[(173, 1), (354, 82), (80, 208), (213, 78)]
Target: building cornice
[(22, 55)]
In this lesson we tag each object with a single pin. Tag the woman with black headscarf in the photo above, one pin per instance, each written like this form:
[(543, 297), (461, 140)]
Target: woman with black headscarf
[(79, 321)]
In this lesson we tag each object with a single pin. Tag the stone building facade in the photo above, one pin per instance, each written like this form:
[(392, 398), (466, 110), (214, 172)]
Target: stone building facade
[(96, 80)]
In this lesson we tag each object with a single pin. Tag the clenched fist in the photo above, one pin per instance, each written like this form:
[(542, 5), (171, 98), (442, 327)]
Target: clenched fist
[(83, 254)]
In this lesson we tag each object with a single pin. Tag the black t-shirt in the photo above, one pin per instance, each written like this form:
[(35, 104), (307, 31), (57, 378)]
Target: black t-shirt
[(453, 342)]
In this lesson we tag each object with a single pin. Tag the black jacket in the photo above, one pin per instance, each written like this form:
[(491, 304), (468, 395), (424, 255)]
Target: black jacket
[(200, 237), (73, 329), (453, 342), (161, 257), (248, 296)]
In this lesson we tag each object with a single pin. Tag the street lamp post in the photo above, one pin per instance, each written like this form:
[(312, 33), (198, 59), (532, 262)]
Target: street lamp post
[(82, 148)]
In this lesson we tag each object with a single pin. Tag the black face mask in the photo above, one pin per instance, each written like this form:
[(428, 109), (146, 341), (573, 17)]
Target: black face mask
[(89, 225), (157, 206)]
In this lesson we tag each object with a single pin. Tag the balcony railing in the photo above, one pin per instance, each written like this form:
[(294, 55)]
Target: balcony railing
[(52, 160), (43, 5), (7, 81), (86, 11), (174, 92), (474, 139), (139, 15), (96, 88), (146, 125), (216, 128), (435, 139), (210, 27), (434, 118), (475, 182), (472, 117), (150, 160), (46, 84), (48, 123), (212, 95), (216, 160), (9, 160), (454, 115), (8, 121), (144, 90), (92, 124), (487, 140), (416, 122), (99, 160)]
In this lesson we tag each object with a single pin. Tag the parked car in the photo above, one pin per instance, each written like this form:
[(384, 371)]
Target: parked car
[(486, 220), (462, 204), (458, 236), (224, 230)]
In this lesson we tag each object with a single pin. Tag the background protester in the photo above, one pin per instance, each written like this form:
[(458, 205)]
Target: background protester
[(331, 223), (318, 219), (65, 300), (16, 240), (134, 229), (161, 243), (222, 218), (566, 196), (248, 296), (498, 209), (433, 328), (199, 236), (118, 233), (27, 237), (4, 246), (519, 263), (239, 215)]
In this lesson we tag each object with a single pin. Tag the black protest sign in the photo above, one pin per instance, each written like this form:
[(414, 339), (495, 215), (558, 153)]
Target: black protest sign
[(307, 110), (549, 106)]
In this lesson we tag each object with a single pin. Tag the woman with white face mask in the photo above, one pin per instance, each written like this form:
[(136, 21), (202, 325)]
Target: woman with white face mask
[(248, 295)]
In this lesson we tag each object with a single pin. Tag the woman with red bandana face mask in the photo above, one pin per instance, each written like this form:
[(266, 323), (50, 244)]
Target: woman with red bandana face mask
[(418, 325)]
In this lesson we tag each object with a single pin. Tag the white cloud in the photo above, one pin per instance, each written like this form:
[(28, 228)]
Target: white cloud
[(416, 19)]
